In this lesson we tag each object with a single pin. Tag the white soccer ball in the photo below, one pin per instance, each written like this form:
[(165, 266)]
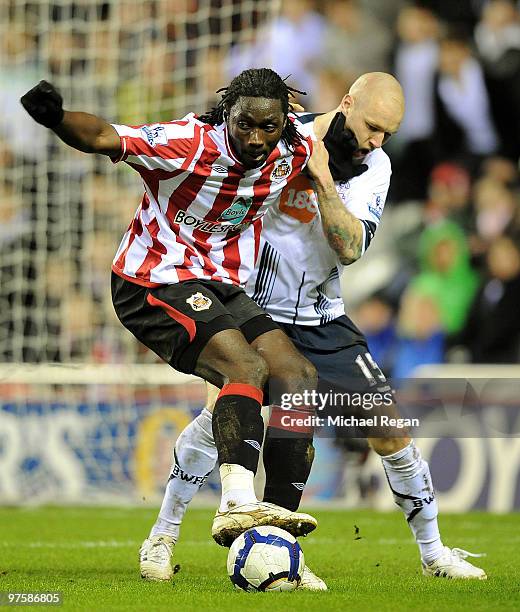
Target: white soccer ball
[(265, 559)]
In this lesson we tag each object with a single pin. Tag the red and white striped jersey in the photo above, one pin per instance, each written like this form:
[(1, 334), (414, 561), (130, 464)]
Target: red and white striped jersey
[(201, 213)]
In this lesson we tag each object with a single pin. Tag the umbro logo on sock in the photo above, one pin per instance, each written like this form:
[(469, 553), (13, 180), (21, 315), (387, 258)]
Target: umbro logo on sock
[(298, 485), (253, 443)]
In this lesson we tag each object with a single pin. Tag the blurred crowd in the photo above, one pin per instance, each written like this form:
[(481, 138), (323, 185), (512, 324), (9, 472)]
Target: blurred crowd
[(441, 281)]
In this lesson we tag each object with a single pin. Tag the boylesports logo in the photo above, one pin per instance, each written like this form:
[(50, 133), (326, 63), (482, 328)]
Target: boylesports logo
[(237, 211), (199, 302), (281, 171), (155, 135), (298, 200), (209, 227)]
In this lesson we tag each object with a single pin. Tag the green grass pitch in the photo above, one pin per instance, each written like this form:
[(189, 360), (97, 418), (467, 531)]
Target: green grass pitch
[(90, 555)]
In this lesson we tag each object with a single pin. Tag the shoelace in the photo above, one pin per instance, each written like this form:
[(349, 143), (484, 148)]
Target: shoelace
[(462, 554)]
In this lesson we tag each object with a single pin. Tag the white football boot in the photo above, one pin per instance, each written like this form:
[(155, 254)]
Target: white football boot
[(451, 564), (155, 558), (311, 582), (227, 526)]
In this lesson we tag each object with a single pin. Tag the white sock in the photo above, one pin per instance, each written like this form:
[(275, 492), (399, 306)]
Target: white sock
[(195, 450), (237, 486), (410, 480)]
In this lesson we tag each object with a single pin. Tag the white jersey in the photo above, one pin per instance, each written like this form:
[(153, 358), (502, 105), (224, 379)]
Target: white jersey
[(201, 214), (297, 277)]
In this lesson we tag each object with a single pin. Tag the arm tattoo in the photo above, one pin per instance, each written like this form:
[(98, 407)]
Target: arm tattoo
[(343, 230), (347, 244)]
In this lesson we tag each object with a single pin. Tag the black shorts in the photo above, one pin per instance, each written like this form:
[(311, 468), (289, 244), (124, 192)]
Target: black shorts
[(176, 321)]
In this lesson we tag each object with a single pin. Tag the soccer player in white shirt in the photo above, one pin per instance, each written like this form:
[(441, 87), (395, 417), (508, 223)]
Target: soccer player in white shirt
[(305, 242), (191, 244)]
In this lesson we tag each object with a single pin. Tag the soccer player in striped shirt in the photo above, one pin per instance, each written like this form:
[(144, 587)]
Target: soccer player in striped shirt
[(309, 235), (177, 275)]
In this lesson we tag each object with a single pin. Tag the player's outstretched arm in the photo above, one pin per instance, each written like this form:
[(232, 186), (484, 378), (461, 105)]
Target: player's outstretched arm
[(343, 230), (82, 131)]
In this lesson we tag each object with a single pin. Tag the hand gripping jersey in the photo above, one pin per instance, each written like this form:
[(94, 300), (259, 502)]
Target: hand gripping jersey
[(297, 279), (200, 216)]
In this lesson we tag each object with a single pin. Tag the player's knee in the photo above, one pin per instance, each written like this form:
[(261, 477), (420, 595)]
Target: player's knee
[(298, 375), (251, 369), (309, 375)]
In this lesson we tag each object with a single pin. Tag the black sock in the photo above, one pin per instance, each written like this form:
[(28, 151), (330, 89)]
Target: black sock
[(238, 427), (287, 461)]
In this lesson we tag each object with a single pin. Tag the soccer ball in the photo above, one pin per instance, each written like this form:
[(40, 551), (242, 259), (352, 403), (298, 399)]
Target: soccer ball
[(265, 559)]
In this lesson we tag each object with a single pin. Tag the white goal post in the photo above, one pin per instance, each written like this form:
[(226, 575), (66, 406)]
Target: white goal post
[(130, 375)]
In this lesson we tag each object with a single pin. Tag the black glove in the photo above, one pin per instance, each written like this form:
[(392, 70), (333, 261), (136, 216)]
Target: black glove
[(44, 104), (341, 144)]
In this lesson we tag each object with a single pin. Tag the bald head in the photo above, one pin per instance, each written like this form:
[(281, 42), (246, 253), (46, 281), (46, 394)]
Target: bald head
[(380, 88), (374, 108)]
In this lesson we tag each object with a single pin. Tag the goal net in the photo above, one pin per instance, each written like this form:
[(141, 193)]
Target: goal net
[(63, 212), (83, 428)]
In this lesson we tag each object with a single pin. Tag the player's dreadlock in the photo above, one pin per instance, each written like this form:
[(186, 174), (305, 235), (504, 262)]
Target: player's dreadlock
[(256, 83)]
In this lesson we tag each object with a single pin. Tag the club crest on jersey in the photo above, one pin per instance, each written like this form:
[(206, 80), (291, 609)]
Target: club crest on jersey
[(155, 135), (199, 302), (237, 211), (281, 171)]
